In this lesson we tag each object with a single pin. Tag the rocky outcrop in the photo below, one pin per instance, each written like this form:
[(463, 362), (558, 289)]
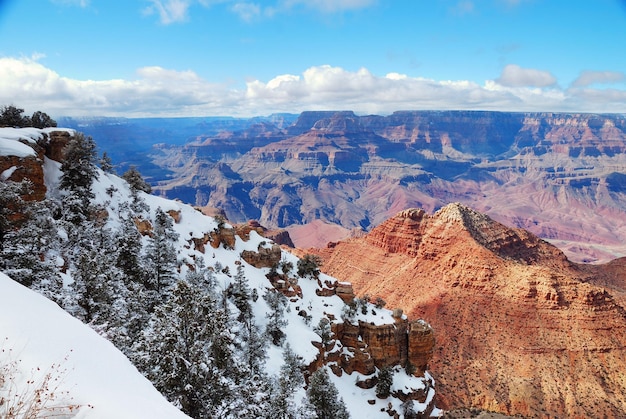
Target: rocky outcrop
[(30, 167), (25, 168), (364, 346), (520, 329), (265, 257)]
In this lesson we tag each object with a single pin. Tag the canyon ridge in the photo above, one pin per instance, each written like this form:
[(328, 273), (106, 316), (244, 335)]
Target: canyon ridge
[(519, 328), (329, 175)]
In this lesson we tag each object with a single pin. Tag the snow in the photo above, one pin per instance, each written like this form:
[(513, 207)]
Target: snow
[(94, 373), (7, 173), (100, 375), (10, 144)]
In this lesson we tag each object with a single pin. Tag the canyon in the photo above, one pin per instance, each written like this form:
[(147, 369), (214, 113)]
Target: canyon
[(337, 174)]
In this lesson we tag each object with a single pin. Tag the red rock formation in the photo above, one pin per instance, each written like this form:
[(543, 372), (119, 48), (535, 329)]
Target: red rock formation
[(520, 329)]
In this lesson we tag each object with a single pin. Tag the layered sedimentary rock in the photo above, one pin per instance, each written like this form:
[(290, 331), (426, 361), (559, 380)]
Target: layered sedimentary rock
[(520, 329), (560, 176)]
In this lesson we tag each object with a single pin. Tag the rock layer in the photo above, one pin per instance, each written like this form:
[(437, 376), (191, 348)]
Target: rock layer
[(560, 176), (520, 329)]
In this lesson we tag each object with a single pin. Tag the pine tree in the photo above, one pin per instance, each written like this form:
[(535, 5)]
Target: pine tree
[(324, 397), (128, 245), (161, 259), (187, 352), (42, 120), (241, 294), (385, 381), (106, 164), (27, 235), (309, 265), (79, 172), (136, 181), (276, 322), (324, 330)]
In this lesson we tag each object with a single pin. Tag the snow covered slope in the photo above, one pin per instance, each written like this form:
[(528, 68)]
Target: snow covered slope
[(38, 338), (104, 383)]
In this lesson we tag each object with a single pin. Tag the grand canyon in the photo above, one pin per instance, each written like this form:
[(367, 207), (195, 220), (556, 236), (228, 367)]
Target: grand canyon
[(327, 175), (483, 224)]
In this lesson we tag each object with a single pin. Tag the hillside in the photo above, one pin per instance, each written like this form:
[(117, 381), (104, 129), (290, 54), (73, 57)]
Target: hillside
[(520, 329), (220, 319), (560, 176)]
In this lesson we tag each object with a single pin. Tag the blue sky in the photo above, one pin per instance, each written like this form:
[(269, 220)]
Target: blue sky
[(244, 58)]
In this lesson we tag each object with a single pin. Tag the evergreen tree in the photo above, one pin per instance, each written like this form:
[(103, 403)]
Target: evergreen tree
[(161, 262), (276, 322), (292, 368), (136, 181), (11, 116), (309, 265), (27, 235), (187, 351), (106, 164), (324, 330), (241, 294), (324, 397), (254, 347), (128, 245), (42, 120), (385, 381), (79, 173)]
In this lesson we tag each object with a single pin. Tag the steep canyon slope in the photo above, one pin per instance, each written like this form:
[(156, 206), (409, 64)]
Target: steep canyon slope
[(520, 329), (561, 176)]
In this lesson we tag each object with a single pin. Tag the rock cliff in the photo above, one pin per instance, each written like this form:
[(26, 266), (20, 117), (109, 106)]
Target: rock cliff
[(560, 176), (17, 165), (520, 329)]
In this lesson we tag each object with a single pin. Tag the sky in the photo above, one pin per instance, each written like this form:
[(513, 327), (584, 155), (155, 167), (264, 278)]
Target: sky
[(139, 58)]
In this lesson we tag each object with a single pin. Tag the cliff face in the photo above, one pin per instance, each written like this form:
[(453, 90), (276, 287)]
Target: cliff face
[(559, 176), (18, 165), (520, 329)]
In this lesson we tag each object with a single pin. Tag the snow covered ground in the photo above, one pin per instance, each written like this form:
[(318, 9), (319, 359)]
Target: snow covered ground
[(38, 338), (37, 335)]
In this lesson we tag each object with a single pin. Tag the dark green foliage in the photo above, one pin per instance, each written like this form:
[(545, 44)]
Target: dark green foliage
[(324, 397), (309, 265), (385, 380), (241, 295), (11, 116), (161, 261), (324, 331), (292, 369), (79, 172), (11, 205), (128, 258), (136, 181), (276, 322), (106, 163), (187, 351), (42, 120)]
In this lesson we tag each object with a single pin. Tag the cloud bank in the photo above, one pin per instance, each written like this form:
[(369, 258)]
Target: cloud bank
[(157, 91)]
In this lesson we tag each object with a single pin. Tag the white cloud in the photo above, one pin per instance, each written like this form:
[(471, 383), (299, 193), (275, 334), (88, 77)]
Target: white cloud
[(169, 11), (516, 76), (157, 91), (246, 11), (587, 78)]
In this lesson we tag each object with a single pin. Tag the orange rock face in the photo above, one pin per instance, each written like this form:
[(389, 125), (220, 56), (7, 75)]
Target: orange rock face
[(519, 328)]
